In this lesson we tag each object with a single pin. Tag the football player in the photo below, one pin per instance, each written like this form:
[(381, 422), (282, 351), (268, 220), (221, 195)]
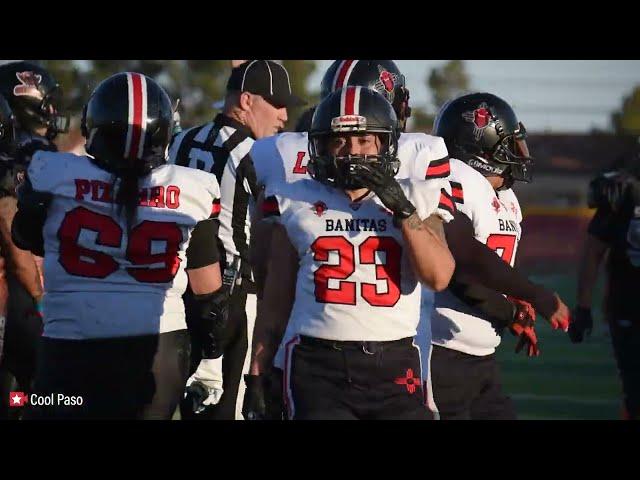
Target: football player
[(351, 247), (284, 157), (489, 153), (35, 98), (120, 232), (614, 234)]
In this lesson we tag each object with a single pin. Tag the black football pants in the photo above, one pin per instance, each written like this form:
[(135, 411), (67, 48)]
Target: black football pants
[(120, 378), (332, 381), (468, 387)]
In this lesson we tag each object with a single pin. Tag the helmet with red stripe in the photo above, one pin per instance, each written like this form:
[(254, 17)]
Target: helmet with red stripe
[(482, 130), (383, 76), (128, 122), (34, 96), (351, 111)]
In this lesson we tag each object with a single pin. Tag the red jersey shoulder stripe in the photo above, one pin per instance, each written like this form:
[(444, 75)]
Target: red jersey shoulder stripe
[(456, 192), (438, 168), (446, 202), (215, 208)]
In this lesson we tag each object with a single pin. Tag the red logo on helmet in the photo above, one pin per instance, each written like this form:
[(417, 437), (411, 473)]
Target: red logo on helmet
[(386, 83), (319, 208), (480, 117), (29, 83), (387, 80)]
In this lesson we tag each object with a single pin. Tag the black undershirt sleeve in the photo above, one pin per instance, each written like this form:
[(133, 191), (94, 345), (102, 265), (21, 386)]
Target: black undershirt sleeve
[(478, 264), (203, 246)]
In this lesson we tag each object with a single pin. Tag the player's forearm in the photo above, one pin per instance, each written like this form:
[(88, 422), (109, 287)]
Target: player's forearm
[(430, 255), (478, 264), (259, 253), (19, 262), (494, 306), (275, 305), (205, 280), (23, 266), (592, 255), (267, 334)]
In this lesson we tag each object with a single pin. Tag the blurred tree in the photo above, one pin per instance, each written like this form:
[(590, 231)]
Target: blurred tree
[(627, 120), (445, 82), (420, 120), (299, 73), (197, 83)]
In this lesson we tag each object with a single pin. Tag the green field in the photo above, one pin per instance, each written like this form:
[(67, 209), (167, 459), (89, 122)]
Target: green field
[(567, 381)]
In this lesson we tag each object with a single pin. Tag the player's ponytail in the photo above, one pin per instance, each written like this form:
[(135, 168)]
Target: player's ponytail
[(127, 197)]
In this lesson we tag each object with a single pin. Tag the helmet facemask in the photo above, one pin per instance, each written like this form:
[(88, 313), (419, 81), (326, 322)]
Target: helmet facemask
[(338, 170), (51, 118), (513, 151)]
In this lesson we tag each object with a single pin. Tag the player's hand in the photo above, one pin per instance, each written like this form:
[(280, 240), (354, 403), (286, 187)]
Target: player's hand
[(386, 187), (204, 387), (523, 327), (560, 318), (254, 406), (581, 324)]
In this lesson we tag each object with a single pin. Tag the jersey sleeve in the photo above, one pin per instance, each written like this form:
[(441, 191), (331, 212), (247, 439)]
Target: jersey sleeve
[(49, 169), (437, 160), (432, 197), (263, 153), (210, 193)]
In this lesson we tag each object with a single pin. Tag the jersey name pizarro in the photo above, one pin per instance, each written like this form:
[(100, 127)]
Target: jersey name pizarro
[(355, 280), (117, 283), (284, 157), (496, 218)]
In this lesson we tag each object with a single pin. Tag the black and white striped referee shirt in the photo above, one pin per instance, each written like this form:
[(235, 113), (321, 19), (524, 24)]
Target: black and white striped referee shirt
[(222, 148)]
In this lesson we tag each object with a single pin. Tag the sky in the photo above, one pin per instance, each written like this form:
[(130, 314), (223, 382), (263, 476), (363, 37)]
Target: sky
[(547, 95)]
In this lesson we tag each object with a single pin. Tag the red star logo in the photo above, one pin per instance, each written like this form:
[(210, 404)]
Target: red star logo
[(319, 208), (18, 399), (409, 381)]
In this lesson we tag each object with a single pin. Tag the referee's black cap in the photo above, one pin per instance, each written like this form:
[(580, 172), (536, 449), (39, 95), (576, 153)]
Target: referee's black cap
[(266, 78)]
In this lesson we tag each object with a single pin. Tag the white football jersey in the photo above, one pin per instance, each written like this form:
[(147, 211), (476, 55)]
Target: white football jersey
[(284, 157), (100, 280), (355, 280), (496, 218)]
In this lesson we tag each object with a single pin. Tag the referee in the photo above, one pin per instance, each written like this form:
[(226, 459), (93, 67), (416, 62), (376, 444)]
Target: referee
[(255, 106)]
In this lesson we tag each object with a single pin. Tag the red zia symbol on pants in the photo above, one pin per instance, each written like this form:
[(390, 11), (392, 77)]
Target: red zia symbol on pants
[(409, 380)]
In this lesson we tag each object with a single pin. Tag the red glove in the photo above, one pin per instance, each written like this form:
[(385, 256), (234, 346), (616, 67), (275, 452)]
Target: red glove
[(523, 327)]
